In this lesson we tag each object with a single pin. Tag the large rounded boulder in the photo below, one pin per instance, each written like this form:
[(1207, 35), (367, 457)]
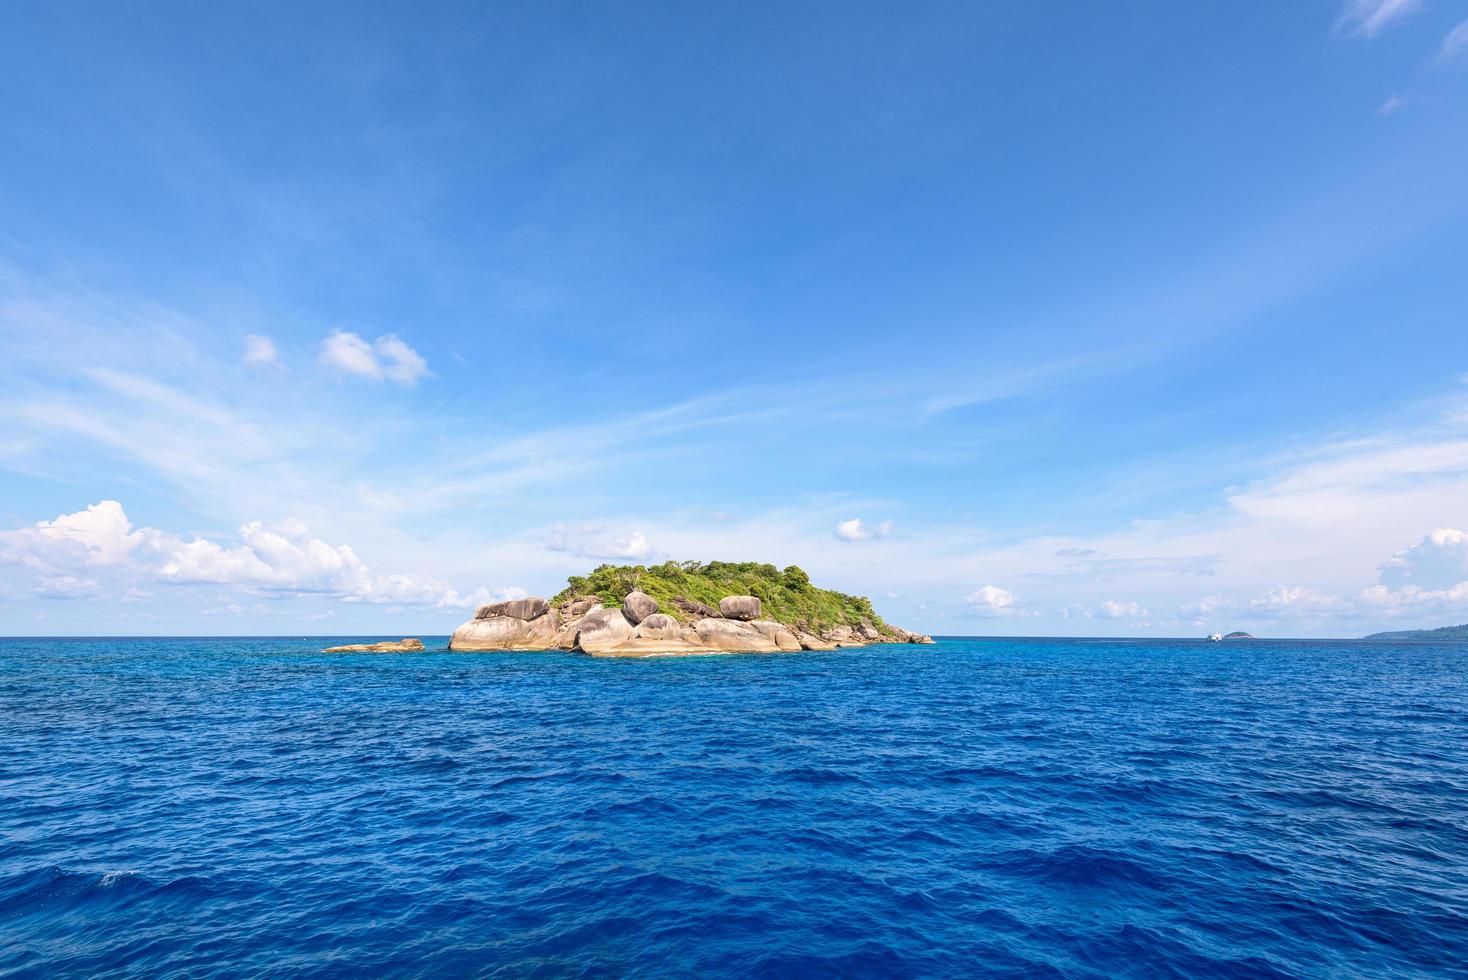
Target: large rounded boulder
[(638, 606), (778, 634), (526, 609), (659, 626), (580, 606), (603, 629), (494, 633), (732, 636), (741, 607)]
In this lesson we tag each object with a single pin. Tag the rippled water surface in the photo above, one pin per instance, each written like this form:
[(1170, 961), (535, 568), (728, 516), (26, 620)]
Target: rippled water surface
[(1085, 808)]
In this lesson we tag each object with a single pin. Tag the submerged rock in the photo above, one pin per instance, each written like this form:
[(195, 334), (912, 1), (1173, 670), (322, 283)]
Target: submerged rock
[(386, 646)]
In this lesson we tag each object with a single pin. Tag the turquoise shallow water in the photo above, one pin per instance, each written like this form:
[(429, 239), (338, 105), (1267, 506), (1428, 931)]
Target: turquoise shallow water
[(1026, 807)]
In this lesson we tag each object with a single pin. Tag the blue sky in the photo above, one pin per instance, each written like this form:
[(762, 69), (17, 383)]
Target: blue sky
[(1143, 319)]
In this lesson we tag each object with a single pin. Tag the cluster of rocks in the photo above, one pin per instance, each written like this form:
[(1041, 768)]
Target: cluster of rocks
[(637, 628)]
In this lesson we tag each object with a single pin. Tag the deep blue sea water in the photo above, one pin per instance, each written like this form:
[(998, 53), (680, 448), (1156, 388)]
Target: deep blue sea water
[(253, 807)]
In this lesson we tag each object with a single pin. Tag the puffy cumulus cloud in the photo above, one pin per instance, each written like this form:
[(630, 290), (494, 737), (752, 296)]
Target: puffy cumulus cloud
[(1205, 608), (99, 535), (388, 357), (1113, 609), (260, 352), (1367, 18), (286, 559), (991, 600), (280, 560), (1429, 577), (1298, 600), (1438, 561), (1413, 599), (855, 530), (481, 596), (1076, 610), (594, 541)]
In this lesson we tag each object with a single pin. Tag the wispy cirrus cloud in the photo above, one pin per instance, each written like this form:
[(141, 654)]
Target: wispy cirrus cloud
[(1367, 18), (1455, 44)]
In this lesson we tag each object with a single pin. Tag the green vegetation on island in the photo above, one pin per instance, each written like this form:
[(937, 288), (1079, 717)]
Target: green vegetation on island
[(787, 596), (1441, 633)]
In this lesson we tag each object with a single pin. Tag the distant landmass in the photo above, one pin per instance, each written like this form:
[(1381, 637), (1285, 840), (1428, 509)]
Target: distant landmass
[(1441, 633)]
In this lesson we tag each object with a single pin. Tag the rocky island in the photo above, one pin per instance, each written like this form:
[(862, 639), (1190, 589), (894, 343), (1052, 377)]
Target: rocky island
[(682, 608)]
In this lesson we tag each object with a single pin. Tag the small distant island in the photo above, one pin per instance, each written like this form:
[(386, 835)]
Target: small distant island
[(682, 608), (1235, 635), (1441, 633)]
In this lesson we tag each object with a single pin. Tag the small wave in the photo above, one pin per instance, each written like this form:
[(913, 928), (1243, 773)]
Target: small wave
[(1082, 866), (53, 886)]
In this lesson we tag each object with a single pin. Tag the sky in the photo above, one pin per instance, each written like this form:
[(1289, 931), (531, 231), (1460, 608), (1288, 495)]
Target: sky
[(1142, 319)]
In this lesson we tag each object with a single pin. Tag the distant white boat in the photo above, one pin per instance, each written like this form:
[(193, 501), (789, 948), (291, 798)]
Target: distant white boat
[(1216, 637)]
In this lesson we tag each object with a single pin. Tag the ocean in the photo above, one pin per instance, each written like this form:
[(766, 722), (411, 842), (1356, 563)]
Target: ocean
[(999, 807)]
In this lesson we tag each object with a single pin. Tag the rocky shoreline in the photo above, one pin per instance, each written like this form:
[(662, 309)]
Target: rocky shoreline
[(639, 628)]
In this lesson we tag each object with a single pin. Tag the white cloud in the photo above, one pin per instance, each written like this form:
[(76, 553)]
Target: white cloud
[(1112, 609), (1411, 599), (1366, 18), (1206, 608), (286, 559), (99, 535), (1438, 561), (1391, 105), (282, 560), (855, 530), (67, 587), (593, 541), (387, 357), (1455, 43), (1076, 610), (1297, 600), (991, 600), (401, 363), (260, 352)]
